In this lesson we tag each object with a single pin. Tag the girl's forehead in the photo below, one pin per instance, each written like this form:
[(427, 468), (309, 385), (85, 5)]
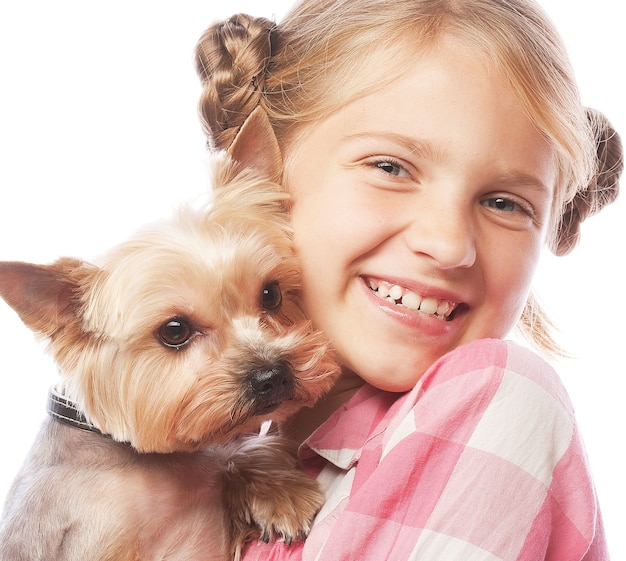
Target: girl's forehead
[(387, 63), (384, 67)]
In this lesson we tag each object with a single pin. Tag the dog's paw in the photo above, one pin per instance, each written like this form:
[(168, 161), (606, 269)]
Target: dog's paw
[(266, 493), (287, 507)]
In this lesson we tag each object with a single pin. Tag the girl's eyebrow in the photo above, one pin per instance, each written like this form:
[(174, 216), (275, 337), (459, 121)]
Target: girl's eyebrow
[(421, 148), (520, 179)]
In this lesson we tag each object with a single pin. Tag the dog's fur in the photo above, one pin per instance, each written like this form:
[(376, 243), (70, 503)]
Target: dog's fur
[(177, 347)]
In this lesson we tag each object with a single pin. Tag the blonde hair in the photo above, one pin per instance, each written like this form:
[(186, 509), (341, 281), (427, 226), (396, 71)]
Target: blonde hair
[(325, 53)]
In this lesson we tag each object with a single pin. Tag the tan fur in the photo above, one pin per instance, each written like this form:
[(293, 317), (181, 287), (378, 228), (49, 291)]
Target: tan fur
[(185, 474)]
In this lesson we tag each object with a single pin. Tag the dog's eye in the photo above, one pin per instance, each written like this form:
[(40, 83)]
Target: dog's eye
[(271, 296), (175, 333)]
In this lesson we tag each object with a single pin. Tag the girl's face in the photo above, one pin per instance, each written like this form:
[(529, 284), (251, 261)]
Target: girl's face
[(420, 212)]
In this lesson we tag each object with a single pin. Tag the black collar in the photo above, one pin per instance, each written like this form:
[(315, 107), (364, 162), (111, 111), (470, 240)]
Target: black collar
[(66, 411)]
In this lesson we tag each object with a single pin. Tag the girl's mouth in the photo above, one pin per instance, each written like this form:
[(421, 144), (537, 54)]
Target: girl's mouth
[(426, 306)]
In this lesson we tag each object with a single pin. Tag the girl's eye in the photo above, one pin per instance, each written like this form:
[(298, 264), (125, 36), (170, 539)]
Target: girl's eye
[(391, 167), (271, 296), (176, 332), (507, 205), (500, 203)]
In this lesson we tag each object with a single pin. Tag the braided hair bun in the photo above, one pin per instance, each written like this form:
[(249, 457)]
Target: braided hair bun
[(231, 61), (601, 191)]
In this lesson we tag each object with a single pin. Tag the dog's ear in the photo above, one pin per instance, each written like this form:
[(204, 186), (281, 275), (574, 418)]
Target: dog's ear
[(255, 146), (43, 296)]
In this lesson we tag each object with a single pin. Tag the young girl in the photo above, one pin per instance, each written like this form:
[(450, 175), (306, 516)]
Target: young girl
[(432, 148)]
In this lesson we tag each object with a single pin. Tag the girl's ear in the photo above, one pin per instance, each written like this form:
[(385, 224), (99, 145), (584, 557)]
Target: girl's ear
[(42, 295), (255, 146)]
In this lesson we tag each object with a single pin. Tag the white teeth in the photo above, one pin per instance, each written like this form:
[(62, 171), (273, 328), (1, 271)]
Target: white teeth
[(443, 308), (383, 291), (396, 292), (428, 306), (412, 301)]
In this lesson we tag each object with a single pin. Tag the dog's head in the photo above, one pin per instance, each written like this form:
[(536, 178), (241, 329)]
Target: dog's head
[(191, 332)]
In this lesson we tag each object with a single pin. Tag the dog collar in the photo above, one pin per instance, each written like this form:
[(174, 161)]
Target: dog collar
[(66, 411)]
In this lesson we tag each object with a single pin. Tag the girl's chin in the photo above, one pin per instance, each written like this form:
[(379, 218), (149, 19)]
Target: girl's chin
[(386, 370)]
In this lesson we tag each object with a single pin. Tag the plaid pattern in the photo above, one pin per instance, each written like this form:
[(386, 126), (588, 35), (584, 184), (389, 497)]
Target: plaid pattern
[(481, 461)]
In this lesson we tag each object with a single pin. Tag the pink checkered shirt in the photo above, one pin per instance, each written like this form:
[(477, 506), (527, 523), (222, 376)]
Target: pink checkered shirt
[(481, 461)]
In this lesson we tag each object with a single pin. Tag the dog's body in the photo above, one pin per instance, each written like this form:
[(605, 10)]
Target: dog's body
[(93, 498), (176, 349)]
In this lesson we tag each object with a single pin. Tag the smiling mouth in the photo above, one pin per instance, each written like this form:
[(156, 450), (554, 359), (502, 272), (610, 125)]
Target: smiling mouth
[(431, 307)]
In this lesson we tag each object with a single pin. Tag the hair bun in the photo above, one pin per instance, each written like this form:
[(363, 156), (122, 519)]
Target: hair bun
[(601, 191), (231, 61)]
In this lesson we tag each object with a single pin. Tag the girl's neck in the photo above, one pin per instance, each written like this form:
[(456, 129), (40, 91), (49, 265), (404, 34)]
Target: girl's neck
[(303, 423)]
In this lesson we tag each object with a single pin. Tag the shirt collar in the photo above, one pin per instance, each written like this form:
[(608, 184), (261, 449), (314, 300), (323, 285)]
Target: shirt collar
[(341, 438)]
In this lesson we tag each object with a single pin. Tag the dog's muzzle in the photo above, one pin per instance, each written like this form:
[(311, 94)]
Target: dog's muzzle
[(269, 387)]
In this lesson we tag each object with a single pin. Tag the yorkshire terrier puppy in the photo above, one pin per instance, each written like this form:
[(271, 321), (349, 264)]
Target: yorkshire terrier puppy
[(172, 352)]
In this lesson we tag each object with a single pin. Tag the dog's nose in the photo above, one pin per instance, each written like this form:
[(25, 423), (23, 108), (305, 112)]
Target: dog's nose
[(271, 387)]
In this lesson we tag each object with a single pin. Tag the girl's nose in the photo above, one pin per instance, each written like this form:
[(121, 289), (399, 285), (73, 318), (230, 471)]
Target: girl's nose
[(444, 233)]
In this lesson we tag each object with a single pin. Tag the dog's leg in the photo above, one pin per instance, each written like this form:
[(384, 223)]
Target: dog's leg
[(265, 492)]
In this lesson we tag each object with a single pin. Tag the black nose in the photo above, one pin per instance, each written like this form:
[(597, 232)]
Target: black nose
[(271, 386)]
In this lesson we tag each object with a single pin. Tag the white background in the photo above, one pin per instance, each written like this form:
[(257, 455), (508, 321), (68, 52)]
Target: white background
[(99, 134)]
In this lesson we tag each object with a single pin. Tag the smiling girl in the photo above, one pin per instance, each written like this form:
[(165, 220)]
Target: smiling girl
[(432, 148)]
